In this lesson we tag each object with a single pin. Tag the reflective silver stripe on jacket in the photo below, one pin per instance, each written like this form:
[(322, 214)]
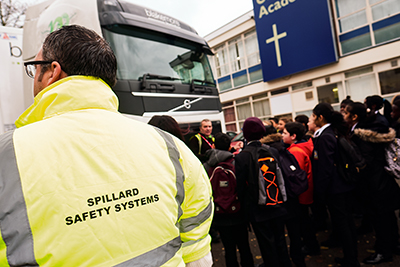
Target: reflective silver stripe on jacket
[(191, 242), (185, 225), (189, 224), (14, 223), (157, 256), (180, 177)]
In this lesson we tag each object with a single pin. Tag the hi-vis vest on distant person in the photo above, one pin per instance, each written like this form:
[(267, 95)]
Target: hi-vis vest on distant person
[(83, 185), (199, 139)]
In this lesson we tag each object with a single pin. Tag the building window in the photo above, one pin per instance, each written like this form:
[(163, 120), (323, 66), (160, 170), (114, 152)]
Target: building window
[(355, 40), (362, 86), (240, 78), (328, 93), (302, 85), (364, 23), (243, 111), (255, 73), (236, 54), (390, 81), (358, 72), (224, 83), (240, 59), (252, 52), (262, 109), (229, 114), (221, 61), (308, 113), (231, 127), (383, 9), (351, 14), (280, 91)]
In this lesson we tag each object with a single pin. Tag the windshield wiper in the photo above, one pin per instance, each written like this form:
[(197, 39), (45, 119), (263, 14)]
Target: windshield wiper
[(202, 86), (157, 77), (153, 85)]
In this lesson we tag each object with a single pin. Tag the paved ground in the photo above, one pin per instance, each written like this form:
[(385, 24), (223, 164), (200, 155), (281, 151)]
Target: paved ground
[(365, 245)]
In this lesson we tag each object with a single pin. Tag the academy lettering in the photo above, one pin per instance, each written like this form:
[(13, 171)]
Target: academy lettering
[(112, 197), (136, 203), (272, 7), (87, 215)]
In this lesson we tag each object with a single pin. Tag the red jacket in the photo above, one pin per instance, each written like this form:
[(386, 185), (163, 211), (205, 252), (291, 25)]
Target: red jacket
[(302, 152)]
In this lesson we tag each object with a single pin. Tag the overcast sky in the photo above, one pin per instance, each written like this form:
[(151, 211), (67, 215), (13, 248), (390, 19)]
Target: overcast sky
[(204, 16)]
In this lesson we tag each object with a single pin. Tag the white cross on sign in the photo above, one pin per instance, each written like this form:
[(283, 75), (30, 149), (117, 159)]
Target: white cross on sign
[(275, 39)]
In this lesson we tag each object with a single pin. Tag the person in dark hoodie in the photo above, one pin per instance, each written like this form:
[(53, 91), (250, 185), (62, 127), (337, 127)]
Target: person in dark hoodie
[(266, 221), (377, 190), (232, 227), (329, 187)]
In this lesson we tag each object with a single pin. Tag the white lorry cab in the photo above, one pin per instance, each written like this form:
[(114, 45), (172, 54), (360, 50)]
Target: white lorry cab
[(11, 75), (163, 68)]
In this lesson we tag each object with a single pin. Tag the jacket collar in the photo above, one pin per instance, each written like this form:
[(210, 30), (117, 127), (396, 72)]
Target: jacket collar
[(276, 137), (375, 137), (69, 94), (320, 130)]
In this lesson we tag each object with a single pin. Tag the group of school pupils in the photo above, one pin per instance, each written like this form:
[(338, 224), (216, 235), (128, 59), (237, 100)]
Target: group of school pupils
[(325, 185)]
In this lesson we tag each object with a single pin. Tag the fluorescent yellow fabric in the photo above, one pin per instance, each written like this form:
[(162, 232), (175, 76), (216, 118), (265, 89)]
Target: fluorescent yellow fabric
[(99, 187), (3, 255)]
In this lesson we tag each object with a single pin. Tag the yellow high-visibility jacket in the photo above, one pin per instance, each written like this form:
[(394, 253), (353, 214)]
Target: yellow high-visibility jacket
[(83, 185)]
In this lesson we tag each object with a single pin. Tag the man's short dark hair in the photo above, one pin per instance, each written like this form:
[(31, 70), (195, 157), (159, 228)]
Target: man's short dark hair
[(81, 51), (296, 128), (222, 141)]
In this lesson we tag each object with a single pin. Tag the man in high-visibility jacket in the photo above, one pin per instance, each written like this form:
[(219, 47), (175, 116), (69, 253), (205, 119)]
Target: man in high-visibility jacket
[(82, 185), (202, 141)]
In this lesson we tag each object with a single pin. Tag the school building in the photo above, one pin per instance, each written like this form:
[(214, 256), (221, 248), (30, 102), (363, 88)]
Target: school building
[(286, 56)]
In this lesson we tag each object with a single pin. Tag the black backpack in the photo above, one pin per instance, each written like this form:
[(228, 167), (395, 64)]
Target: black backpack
[(223, 183), (349, 162), (296, 181), (268, 187)]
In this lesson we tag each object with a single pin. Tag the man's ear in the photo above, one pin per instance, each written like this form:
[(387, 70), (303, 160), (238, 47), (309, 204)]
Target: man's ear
[(293, 137), (56, 73), (355, 117)]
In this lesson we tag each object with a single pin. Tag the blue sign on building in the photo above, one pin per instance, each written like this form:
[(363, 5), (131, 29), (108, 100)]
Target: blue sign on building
[(294, 35)]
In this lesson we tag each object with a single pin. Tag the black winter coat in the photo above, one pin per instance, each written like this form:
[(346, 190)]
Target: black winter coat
[(377, 190), (325, 175)]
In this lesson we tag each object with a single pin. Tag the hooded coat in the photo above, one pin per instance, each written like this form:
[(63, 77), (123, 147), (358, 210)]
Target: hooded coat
[(377, 189), (302, 152)]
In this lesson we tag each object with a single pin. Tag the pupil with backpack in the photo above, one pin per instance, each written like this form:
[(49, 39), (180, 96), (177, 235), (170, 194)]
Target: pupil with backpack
[(296, 160), (229, 218), (261, 193)]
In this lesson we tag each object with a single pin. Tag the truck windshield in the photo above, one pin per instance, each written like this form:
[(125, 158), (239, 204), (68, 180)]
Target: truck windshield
[(141, 52)]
